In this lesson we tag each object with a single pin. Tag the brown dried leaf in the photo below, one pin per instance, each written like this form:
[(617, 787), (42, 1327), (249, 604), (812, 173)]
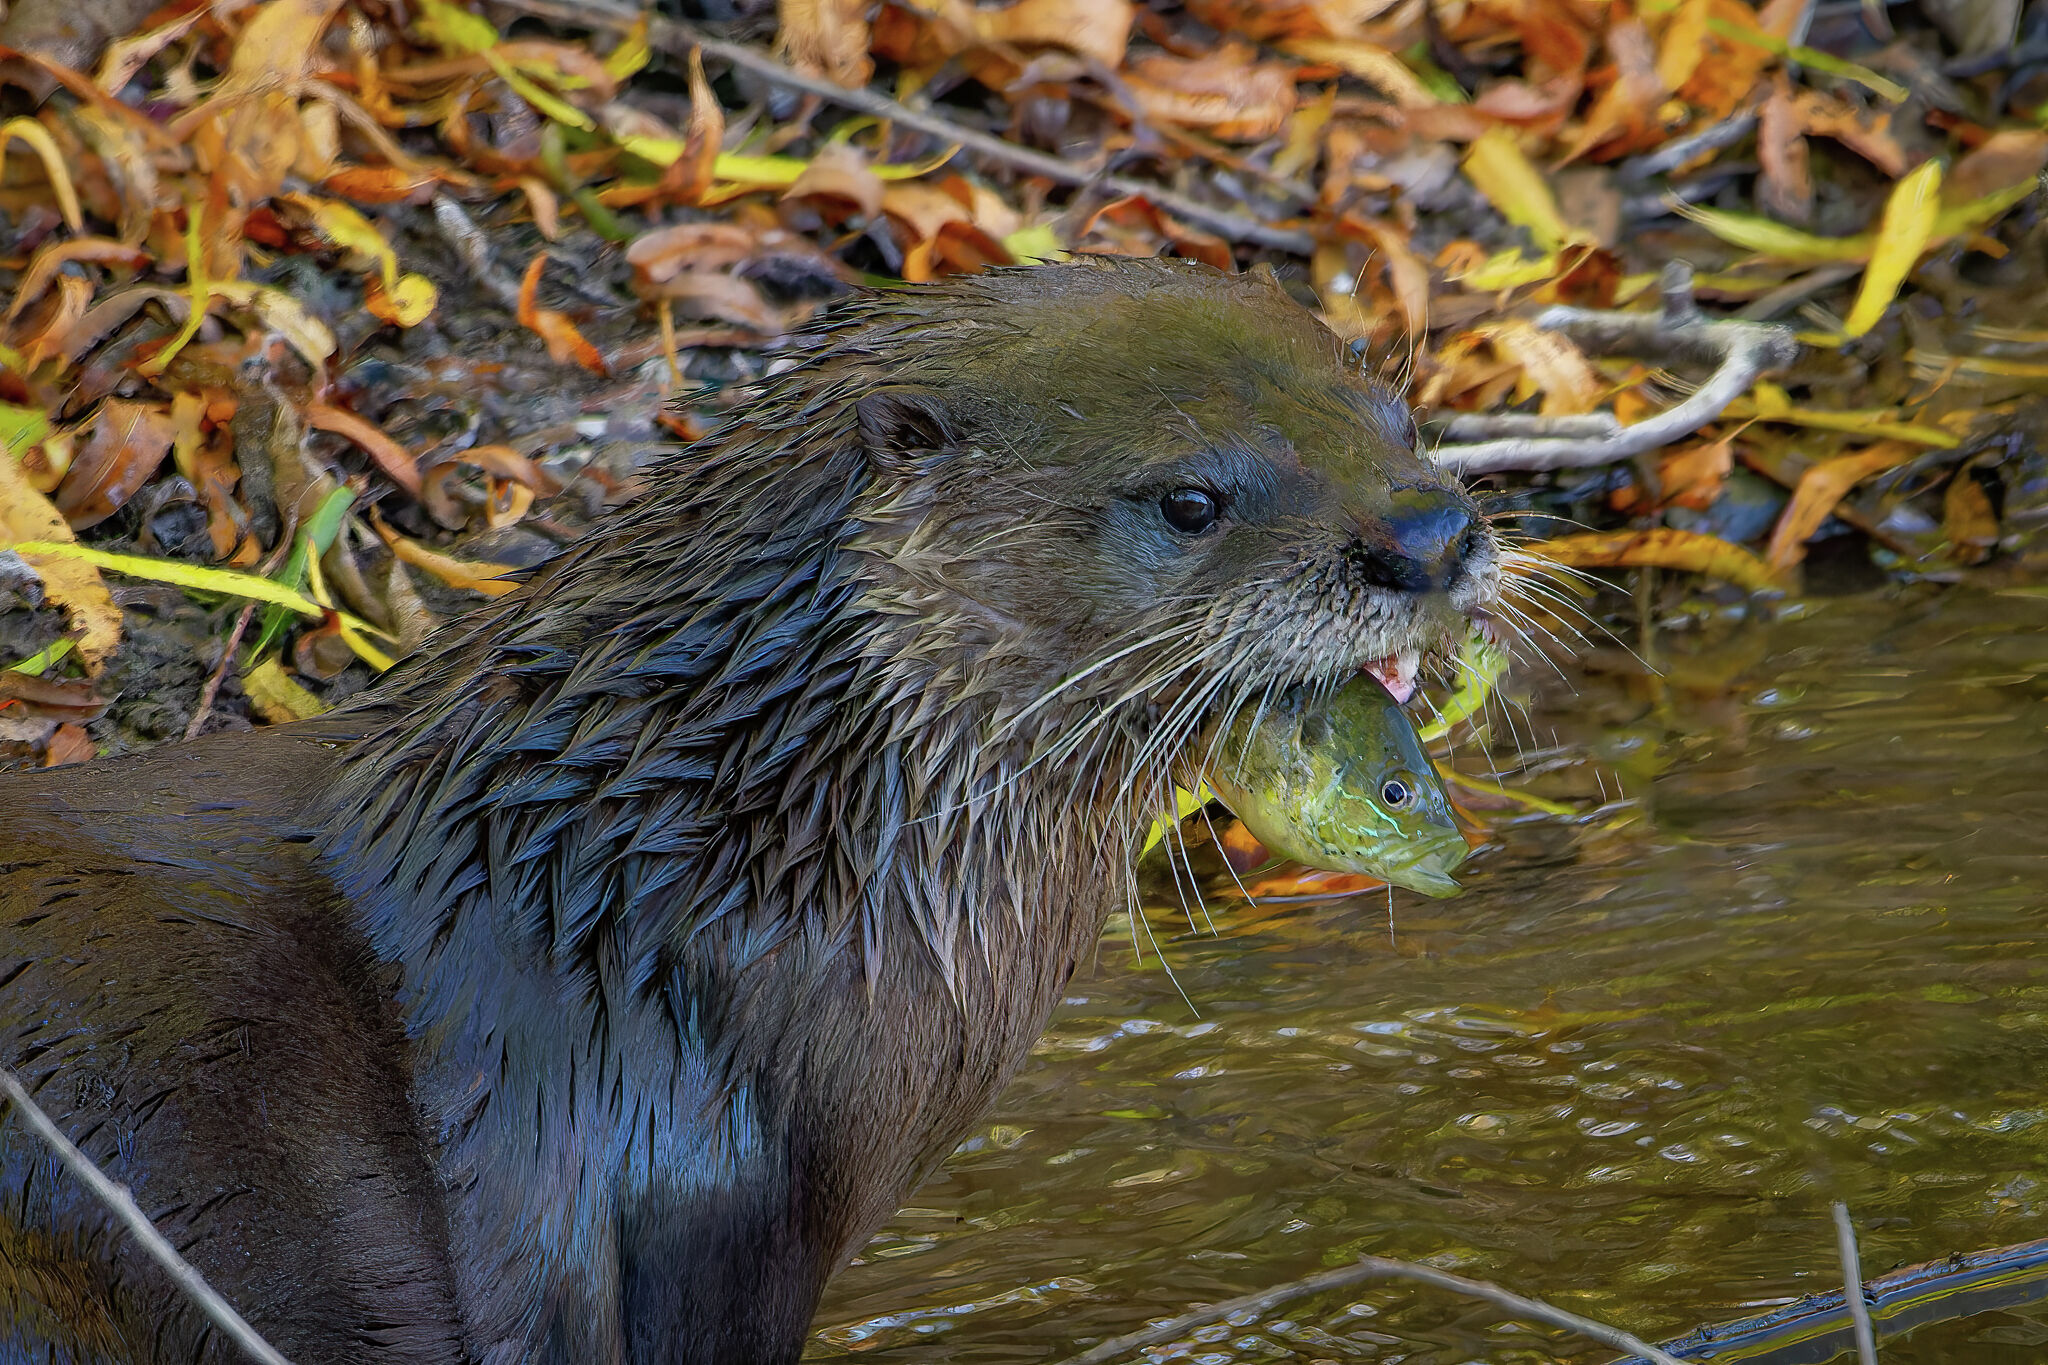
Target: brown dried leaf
[(841, 172), (825, 38), (1094, 28), (661, 255), (2008, 157), (1551, 365), (1273, 20), (564, 342), (1785, 189), (705, 294), (125, 445), (400, 464), (69, 744), (1968, 522), (1624, 118), (1820, 489), (1226, 92)]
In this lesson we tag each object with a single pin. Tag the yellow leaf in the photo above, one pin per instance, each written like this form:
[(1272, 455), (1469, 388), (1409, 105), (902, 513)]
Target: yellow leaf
[(44, 146), (1774, 239), (631, 54), (1482, 664), (197, 577), (1769, 403), (492, 580), (554, 107), (782, 171), (412, 299), (1496, 165), (276, 697), (1185, 803), (1902, 234), (343, 226), (1663, 548), (27, 520), (1039, 242), (1510, 270), (454, 28)]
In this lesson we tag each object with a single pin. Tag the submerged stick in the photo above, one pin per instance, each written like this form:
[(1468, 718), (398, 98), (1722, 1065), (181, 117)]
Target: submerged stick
[(1852, 1286), (1368, 1268), (122, 1205), (1739, 351)]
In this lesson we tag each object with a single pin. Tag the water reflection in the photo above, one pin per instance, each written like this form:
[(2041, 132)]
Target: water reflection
[(1627, 1072)]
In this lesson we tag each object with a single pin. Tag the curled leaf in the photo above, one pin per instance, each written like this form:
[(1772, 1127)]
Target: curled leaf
[(1662, 548)]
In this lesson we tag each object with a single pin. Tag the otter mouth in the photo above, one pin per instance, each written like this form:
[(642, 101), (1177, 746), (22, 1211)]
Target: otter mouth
[(1397, 673)]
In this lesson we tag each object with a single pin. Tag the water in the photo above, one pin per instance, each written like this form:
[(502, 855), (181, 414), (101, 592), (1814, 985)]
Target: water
[(1627, 1072)]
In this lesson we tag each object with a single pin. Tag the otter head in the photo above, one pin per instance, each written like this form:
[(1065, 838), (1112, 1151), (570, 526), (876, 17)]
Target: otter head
[(1143, 484)]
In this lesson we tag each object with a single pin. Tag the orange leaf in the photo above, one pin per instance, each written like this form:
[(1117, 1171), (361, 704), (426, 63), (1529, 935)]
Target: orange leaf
[(391, 457), (476, 575), (1663, 548), (1820, 489), (564, 342), (127, 443)]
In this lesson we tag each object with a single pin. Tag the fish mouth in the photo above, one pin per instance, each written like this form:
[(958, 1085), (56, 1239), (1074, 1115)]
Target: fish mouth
[(1429, 874)]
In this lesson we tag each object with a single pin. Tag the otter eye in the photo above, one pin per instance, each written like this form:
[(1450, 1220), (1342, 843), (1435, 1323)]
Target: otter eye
[(1189, 510), (1396, 793)]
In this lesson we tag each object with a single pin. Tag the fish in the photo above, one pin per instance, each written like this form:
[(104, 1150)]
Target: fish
[(1339, 781)]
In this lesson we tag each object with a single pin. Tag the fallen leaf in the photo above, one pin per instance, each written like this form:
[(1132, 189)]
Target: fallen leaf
[(1902, 234), (1662, 548), (1224, 91), (1269, 20), (492, 580), (564, 342), (1498, 169), (52, 257), (124, 445), (1969, 523), (276, 697), (1094, 28), (1625, 116), (728, 298), (394, 459), (1371, 63), (1785, 187), (2010, 156), (1820, 488), (25, 129), (28, 518), (840, 171), (826, 38), (69, 744)]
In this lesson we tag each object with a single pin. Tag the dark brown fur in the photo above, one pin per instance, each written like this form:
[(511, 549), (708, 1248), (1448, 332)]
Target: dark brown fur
[(592, 990)]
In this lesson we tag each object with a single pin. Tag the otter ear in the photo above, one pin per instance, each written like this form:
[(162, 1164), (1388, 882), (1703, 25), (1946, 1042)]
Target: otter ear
[(903, 426)]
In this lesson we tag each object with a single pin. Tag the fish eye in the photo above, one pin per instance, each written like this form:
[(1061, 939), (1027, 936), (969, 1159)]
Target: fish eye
[(1190, 511), (1396, 793)]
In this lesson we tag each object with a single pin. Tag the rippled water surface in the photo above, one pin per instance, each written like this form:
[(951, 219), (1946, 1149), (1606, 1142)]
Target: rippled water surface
[(1805, 959)]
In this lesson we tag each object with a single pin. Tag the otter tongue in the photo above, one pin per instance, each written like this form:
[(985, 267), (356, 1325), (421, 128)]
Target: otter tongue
[(1397, 673)]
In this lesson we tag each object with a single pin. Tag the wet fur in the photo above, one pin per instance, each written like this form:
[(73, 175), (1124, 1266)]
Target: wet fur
[(596, 986)]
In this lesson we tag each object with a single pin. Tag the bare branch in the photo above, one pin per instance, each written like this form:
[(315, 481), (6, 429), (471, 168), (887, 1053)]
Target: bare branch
[(1852, 1286), (1678, 334), (1366, 1269), (676, 39), (122, 1205)]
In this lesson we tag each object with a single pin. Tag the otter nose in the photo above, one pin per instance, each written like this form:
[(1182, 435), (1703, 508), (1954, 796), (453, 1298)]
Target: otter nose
[(1427, 536)]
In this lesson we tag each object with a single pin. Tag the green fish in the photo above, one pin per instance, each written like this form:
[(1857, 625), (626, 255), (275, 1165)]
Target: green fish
[(1340, 782)]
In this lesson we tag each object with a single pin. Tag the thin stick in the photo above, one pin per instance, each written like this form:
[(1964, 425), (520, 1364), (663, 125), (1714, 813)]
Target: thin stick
[(676, 39), (1376, 1268), (1740, 351), (122, 1206), (1852, 1286), (220, 671)]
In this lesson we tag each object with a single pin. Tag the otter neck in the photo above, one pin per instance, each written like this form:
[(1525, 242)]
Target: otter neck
[(719, 864)]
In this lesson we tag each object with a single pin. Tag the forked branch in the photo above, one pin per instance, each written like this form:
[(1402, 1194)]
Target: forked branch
[(1679, 333)]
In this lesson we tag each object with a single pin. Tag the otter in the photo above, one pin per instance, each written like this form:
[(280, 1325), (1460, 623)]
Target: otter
[(596, 984)]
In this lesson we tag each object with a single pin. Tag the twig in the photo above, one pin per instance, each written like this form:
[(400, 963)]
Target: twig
[(1672, 155), (1912, 1297), (220, 671), (123, 1207), (462, 233), (1375, 1268), (676, 39), (1852, 1286), (1740, 351)]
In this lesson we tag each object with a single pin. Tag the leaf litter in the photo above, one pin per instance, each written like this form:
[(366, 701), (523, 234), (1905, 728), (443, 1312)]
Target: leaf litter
[(379, 305)]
